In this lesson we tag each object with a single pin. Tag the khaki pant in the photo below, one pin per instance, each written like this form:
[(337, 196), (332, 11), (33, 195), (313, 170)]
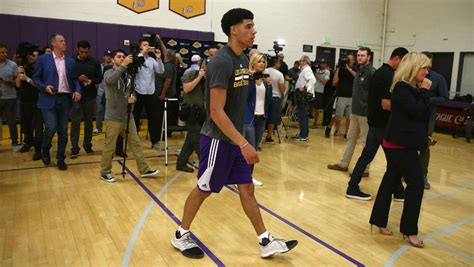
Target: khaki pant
[(358, 128), (112, 131)]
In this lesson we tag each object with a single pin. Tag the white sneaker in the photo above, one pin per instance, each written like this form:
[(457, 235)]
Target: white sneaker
[(187, 245), (256, 182), (269, 247), (150, 173)]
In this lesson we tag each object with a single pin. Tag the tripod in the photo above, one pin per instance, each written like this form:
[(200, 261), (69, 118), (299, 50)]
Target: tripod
[(131, 87)]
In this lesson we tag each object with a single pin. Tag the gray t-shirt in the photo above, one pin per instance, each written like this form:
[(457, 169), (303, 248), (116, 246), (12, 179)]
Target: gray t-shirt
[(360, 90), (277, 79), (8, 72), (319, 86), (170, 73), (228, 71)]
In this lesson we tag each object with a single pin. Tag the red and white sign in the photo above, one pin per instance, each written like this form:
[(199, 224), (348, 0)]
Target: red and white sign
[(450, 118)]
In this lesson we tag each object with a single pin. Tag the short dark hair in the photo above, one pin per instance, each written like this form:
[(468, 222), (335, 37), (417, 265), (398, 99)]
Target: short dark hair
[(3, 46), (364, 48), (399, 52), (273, 61), (296, 62), (428, 54), (53, 36), (114, 53), (234, 17), (143, 40), (83, 44)]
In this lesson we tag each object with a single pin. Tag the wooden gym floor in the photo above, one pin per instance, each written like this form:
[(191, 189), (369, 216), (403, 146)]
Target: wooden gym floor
[(72, 218)]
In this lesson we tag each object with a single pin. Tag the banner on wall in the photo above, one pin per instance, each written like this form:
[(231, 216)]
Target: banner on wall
[(189, 8), (139, 6)]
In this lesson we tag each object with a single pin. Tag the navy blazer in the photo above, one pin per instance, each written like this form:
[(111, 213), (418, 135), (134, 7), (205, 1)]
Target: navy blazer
[(408, 121), (46, 74), (252, 100)]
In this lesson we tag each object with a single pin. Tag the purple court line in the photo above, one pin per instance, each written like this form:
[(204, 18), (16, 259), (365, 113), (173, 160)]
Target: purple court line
[(74, 164), (299, 229), (172, 216)]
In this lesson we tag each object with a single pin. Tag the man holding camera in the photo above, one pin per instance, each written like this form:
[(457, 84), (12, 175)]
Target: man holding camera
[(278, 87), (322, 76), (145, 89), (118, 95), (358, 126), (8, 74), (55, 77), (31, 119), (343, 80), (304, 92), (193, 87)]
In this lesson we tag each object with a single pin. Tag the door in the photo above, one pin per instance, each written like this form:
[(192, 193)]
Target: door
[(443, 64)]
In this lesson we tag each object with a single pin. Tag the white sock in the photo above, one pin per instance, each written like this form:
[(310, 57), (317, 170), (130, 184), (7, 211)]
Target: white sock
[(266, 234), (182, 231)]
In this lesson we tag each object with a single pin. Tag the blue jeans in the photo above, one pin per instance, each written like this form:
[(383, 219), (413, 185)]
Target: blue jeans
[(56, 119), (254, 131), (303, 119)]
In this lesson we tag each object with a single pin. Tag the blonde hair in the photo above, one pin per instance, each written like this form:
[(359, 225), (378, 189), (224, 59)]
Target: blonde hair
[(255, 58), (409, 67), (179, 60)]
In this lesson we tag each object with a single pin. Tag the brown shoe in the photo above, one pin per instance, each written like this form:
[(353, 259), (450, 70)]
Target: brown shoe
[(365, 174), (337, 167)]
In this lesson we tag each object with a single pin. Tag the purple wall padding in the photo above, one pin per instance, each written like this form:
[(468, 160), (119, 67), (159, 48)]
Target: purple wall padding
[(101, 36)]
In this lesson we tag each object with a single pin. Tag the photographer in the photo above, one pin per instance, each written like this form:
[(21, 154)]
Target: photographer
[(118, 95), (322, 76), (303, 94), (193, 101), (278, 87), (145, 88), (88, 71), (343, 81), (8, 74), (31, 118)]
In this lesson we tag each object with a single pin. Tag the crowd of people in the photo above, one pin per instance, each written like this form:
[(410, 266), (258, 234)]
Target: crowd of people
[(229, 99)]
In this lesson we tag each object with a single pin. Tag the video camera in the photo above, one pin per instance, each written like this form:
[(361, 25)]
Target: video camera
[(24, 50), (342, 63), (277, 48), (138, 59)]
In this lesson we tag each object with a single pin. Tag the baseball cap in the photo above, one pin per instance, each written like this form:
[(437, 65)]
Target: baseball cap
[(107, 53), (195, 58)]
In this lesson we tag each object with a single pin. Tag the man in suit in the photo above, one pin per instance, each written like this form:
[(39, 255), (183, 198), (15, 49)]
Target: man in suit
[(55, 77)]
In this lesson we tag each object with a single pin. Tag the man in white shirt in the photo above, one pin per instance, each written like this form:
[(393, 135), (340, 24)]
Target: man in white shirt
[(304, 93), (278, 88), (145, 90)]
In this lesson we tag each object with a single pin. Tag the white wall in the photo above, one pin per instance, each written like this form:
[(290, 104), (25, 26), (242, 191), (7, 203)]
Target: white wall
[(434, 25)]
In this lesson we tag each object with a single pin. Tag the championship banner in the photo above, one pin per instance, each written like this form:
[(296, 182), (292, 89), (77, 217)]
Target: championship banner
[(188, 8), (139, 6)]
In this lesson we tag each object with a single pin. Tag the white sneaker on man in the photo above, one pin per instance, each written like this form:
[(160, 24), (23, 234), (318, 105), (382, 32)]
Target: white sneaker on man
[(270, 246), (186, 245), (256, 182), (150, 173)]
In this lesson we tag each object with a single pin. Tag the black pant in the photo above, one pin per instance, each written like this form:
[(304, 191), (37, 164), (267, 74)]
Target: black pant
[(328, 102), (400, 163), (154, 113), (374, 140), (191, 143), (82, 110), (32, 122), (8, 110)]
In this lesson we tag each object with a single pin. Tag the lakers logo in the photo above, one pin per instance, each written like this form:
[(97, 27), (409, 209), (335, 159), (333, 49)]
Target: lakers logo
[(189, 8), (139, 6)]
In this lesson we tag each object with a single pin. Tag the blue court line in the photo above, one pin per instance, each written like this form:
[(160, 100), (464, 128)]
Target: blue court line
[(448, 229), (438, 195), (172, 216), (452, 250), (304, 232), (74, 164), (141, 222)]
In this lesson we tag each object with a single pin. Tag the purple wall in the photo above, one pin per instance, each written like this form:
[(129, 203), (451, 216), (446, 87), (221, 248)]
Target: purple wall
[(101, 36)]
